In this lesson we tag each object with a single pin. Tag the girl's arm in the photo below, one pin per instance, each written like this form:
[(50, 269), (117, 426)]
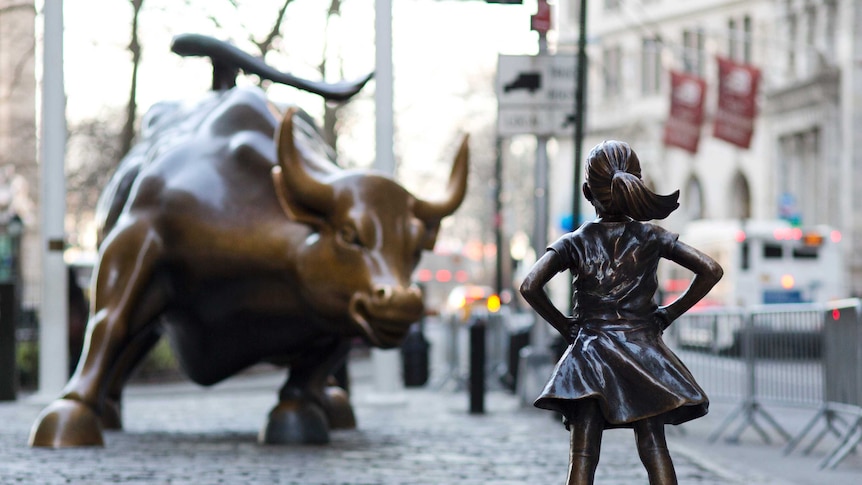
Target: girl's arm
[(706, 271), (533, 290)]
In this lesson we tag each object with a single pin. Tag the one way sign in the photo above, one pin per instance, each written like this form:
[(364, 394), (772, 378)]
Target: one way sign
[(535, 95)]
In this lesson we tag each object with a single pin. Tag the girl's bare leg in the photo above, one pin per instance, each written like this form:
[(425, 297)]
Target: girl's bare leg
[(652, 448), (586, 424)]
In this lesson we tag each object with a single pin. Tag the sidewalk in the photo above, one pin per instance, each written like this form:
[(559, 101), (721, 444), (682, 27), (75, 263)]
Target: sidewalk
[(180, 433)]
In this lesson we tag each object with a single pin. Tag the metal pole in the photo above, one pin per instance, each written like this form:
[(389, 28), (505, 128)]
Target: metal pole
[(498, 213), (53, 326), (386, 363), (580, 118), (536, 358), (580, 111), (383, 91)]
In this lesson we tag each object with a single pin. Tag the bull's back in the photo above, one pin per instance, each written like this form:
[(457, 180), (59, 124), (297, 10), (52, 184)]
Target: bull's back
[(177, 144), (227, 136)]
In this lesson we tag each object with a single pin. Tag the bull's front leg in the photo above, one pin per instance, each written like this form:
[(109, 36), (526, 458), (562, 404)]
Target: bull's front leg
[(125, 304), (308, 407)]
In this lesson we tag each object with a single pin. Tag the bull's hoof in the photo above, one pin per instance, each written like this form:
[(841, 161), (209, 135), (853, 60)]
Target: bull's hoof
[(66, 423), (338, 409), (295, 422)]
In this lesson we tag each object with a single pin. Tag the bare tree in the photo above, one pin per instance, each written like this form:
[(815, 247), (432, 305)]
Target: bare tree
[(127, 135), (95, 145), (18, 92)]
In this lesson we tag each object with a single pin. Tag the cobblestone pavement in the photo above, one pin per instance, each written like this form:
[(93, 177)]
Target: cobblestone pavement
[(184, 434)]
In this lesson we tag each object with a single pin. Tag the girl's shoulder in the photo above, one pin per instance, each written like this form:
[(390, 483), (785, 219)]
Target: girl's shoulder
[(659, 233)]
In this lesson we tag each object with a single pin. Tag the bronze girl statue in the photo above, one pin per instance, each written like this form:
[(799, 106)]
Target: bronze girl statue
[(617, 372)]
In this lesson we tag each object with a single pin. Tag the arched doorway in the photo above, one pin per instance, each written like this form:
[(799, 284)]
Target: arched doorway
[(740, 197), (693, 199)]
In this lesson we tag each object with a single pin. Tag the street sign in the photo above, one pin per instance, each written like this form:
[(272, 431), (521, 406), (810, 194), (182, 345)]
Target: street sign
[(535, 95)]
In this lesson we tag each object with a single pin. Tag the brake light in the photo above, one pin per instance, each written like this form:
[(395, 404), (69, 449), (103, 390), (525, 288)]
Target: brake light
[(443, 275), (835, 236), (791, 234), (424, 275)]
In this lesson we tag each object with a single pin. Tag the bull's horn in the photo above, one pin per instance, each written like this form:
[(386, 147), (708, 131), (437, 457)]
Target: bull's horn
[(298, 184), (438, 209)]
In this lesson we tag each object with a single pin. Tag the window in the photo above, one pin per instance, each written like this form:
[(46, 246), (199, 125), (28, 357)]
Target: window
[(772, 251), (732, 39), (812, 62), (613, 71), (740, 197), (747, 34), (693, 51), (651, 65), (739, 39), (831, 24), (805, 252), (791, 44), (800, 173)]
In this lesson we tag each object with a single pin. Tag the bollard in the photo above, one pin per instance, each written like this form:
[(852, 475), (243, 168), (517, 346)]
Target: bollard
[(414, 357), (477, 366), (8, 367)]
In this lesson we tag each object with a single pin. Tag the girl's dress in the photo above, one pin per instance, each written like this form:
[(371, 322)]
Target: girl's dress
[(618, 356)]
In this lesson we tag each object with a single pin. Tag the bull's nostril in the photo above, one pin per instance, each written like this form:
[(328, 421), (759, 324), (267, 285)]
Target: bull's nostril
[(383, 293)]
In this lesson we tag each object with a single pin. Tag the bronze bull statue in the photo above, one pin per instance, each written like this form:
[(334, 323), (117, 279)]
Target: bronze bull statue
[(243, 250)]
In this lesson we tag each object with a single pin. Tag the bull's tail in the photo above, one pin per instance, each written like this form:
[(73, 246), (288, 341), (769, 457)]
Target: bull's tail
[(227, 60)]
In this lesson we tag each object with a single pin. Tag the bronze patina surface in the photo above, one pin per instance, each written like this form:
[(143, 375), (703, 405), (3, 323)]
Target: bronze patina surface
[(617, 372), (231, 230)]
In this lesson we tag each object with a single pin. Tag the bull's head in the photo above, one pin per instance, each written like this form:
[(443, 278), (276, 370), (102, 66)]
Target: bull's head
[(368, 235)]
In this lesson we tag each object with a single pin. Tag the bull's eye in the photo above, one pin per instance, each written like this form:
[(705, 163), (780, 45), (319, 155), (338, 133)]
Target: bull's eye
[(349, 236)]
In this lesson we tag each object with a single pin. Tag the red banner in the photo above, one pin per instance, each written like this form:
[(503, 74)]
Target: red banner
[(737, 103), (682, 128)]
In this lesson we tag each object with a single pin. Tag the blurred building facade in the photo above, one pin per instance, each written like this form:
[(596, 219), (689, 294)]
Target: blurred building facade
[(803, 162), (19, 170)]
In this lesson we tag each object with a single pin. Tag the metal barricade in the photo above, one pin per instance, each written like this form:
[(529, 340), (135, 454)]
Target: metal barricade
[(456, 352), (770, 354), (841, 407), (707, 343)]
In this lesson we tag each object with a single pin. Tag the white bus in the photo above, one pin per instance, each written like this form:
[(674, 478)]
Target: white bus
[(765, 263)]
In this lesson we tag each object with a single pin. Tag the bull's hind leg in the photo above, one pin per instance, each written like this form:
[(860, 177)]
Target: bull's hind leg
[(123, 275), (308, 408)]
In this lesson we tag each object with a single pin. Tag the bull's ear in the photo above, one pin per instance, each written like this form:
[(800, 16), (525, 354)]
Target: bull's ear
[(293, 209)]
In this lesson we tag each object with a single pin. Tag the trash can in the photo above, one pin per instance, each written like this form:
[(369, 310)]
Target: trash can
[(414, 357)]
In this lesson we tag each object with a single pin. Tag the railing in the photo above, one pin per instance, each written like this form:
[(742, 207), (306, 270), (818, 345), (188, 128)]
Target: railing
[(780, 355), (806, 356)]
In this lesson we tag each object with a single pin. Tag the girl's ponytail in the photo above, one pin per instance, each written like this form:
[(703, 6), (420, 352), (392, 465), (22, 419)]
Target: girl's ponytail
[(613, 174), (632, 197)]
